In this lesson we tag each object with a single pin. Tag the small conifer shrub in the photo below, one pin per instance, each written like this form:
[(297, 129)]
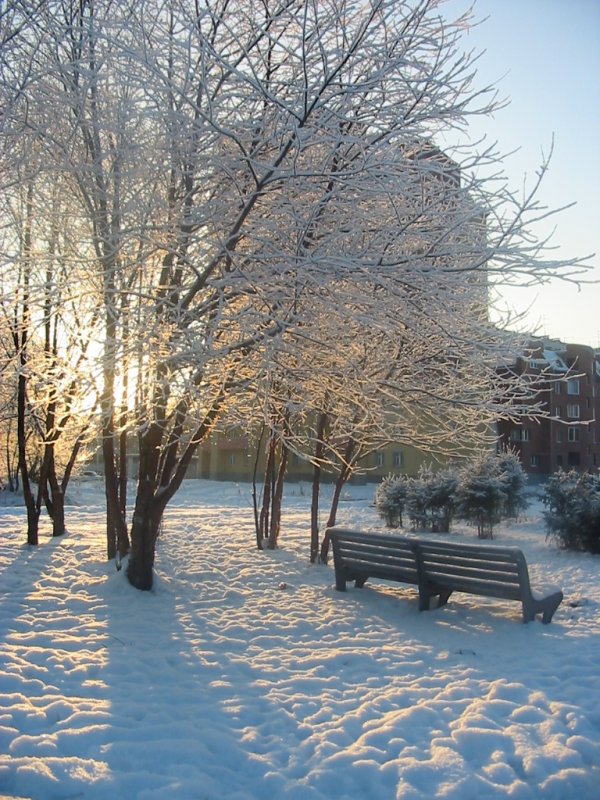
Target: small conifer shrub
[(390, 497), (572, 511)]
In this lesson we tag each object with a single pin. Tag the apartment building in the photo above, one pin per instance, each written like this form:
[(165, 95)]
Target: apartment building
[(230, 456), (568, 376)]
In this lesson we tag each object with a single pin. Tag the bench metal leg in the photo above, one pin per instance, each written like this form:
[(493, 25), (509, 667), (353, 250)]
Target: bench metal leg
[(550, 606), (444, 597), (340, 582), (424, 599)]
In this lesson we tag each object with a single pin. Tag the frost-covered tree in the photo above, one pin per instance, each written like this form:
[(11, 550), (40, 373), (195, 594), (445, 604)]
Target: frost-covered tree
[(481, 494), (240, 171), (390, 499), (572, 511), (431, 498), (48, 332), (515, 483)]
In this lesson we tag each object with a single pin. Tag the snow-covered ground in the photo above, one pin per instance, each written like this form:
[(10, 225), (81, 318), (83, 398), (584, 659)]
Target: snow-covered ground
[(245, 675)]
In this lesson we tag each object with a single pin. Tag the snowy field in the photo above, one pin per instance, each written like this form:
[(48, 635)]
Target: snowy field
[(245, 675)]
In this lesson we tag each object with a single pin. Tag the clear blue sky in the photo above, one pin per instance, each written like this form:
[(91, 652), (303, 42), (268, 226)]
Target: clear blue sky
[(545, 57)]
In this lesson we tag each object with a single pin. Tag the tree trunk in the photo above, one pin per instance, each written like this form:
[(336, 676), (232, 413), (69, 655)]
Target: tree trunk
[(33, 509), (258, 531), (58, 511), (53, 494), (341, 481), (277, 499), (316, 488), (154, 491), (144, 533), (314, 514), (21, 341), (267, 489), (117, 540)]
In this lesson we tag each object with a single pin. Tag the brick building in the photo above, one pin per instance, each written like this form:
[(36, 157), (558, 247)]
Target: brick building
[(569, 390)]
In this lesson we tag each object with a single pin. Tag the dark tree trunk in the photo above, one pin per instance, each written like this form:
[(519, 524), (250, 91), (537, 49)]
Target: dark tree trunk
[(341, 481), (144, 533), (54, 498), (12, 467), (154, 492), (346, 471), (316, 488), (314, 514), (58, 512), (267, 488), (259, 537), (33, 513), (21, 342), (277, 500), (31, 503), (117, 539), (123, 472)]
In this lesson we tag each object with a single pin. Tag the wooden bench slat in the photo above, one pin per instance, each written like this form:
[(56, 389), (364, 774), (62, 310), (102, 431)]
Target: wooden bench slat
[(377, 552), (450, 576), (402, 565), (465, 558), (369, 571), (461, 583), (494, 569), (492, 573)]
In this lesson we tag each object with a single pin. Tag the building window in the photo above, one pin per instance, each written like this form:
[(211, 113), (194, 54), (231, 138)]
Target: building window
[(573, 411), (379, 459), (520, 435), (398, 458), (573, 435), (535, 461), (232, 458), (557, 387), (557, 411), (559, 435), (573, 386), (559, 460), (574, 459)]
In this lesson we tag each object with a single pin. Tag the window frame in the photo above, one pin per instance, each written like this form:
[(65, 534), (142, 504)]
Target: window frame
[(573, 435)]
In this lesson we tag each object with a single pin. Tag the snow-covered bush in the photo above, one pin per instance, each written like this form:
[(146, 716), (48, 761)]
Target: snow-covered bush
[(572, 512), (431, 499), (390, 497), (491, 488), (515, 483), (481, 495)]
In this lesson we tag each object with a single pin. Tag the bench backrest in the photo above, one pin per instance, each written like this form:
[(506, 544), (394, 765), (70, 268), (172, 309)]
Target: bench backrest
[(475, 568), (482, 569), (378, 555)]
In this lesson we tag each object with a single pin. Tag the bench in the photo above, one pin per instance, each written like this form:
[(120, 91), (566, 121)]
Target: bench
[(439, 568)]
